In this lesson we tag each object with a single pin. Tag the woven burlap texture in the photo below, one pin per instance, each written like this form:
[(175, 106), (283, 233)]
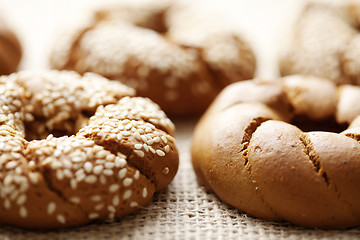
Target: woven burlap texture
[(184, 210)]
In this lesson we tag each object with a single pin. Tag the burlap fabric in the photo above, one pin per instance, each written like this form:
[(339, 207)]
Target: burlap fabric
[(184, 210)]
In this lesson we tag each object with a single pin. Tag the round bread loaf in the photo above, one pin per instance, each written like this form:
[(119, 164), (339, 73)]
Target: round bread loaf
[(325, 42), (74, 149), (10, 50), (134, 44), (246, 150)]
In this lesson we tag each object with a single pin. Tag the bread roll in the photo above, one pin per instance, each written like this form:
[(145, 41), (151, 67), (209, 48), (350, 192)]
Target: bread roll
[(246, 150)]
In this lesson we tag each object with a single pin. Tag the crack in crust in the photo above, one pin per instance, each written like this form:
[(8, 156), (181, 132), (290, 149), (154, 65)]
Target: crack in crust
[(248, 132), (313, 157)]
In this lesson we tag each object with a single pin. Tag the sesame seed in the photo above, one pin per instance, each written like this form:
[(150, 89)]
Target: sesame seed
[(23, 212), (138, 146), (137, 175), (55, 164), (33, 178), (143, 138), (57, 153), (100, 161), (51, 208), (152, 150), (111, 208), (116, 200), (98, 169), (127, 182), (75, 200), (133, 204), (148, 130), (59, 175), (128, 126), (68, 173), (122, 173), (102, 154), (31, 164), (67, 164), (61, 219), (91, 179), (144, 193), (114, 187), (7, 204), (75, 144), (110, 157), (119, 162), (11, 165), (166, 170), (160, 153), (67, 149), (77, 159), (111, 216), (102, 179), (164, 139), (119, 136), (80, 177), (99, 206), (146, 148), (156, 139), (88, 143), (73, 184), (108, 172), (109, 165), (126, 133), (127, 194), (139, 153), (167, 148), (21, 199), (50, 136), (95, 198), (137, 136), (93, 215), (88, 167), (8, 180)]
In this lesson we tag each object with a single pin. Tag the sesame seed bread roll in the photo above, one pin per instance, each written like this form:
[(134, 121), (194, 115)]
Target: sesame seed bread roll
[(325, 42), (10, 49), (55, 173), (254, 158), (134, 44)]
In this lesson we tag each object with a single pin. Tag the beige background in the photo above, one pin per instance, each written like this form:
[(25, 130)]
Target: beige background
[(185, 210)]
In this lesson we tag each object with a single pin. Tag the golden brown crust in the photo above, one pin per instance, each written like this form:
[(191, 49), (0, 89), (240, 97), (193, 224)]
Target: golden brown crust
[(246, 153), (133, 44), (10, 50), (111, 167), (325, 43)]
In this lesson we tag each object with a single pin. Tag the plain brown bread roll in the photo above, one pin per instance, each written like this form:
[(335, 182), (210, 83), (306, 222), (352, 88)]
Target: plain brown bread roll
[(75, 149), (325, 42), (10, 50), (135, 44), (246, 151)]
